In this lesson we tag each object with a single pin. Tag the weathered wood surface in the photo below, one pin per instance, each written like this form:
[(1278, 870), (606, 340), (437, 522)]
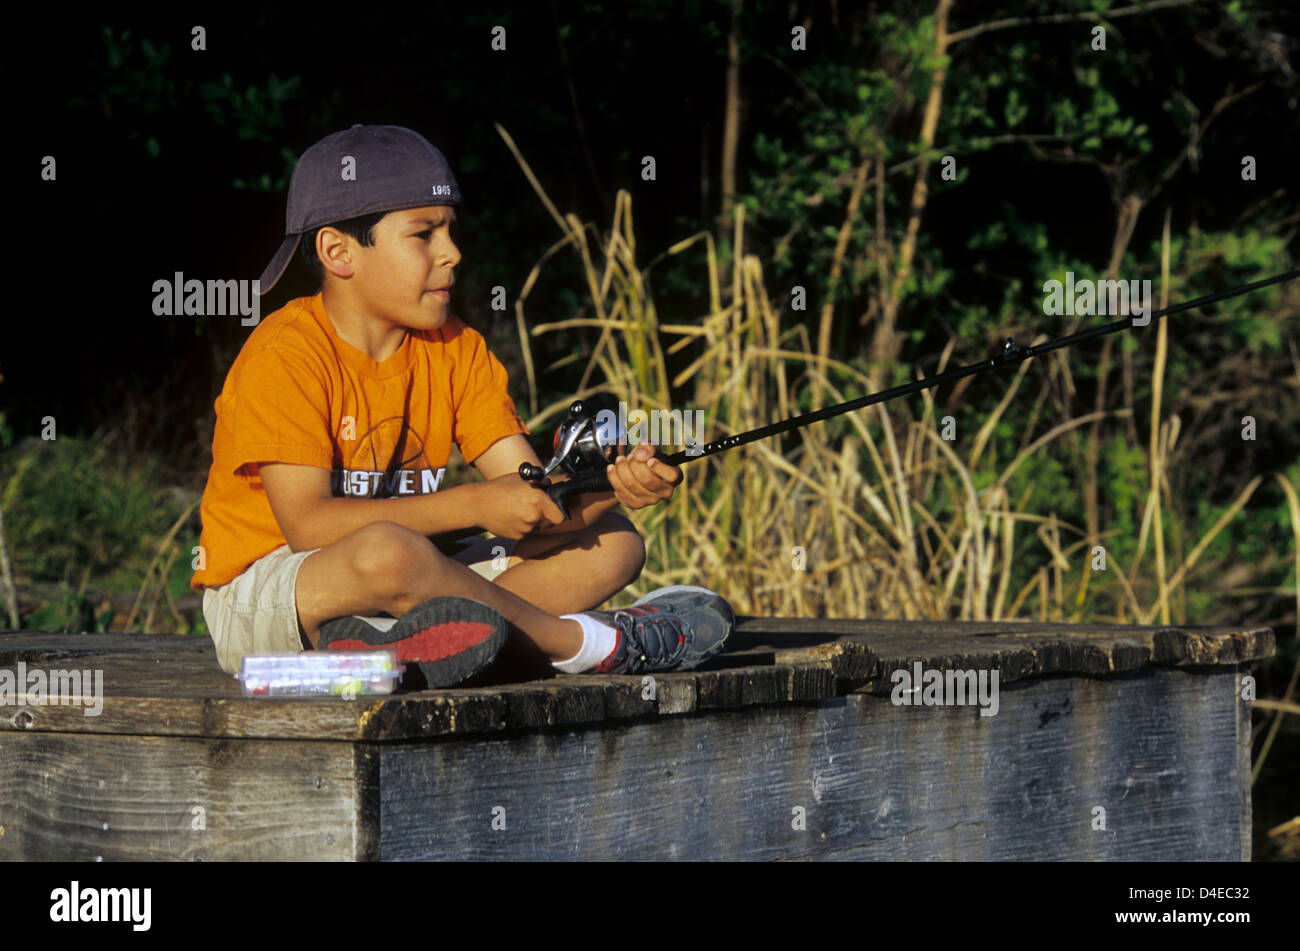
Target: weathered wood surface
[(166, 685), (1143, 722), (88, 798), (1165, 754)]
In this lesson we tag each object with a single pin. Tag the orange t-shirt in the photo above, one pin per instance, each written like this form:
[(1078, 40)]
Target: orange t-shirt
[(298, 393)]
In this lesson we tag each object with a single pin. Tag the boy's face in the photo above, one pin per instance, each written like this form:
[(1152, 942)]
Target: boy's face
[(406, 276)]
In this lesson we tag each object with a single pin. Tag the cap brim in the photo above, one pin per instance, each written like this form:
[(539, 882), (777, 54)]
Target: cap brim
[(275, 270)]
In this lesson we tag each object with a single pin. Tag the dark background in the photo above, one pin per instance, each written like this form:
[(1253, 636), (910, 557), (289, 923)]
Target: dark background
[(152, 149)]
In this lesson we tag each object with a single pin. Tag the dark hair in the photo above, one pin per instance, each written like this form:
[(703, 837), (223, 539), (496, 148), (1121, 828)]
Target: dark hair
[(361, 228)]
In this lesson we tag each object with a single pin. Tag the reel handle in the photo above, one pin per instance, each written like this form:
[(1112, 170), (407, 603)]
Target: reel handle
[(531, 473), (593, 480)]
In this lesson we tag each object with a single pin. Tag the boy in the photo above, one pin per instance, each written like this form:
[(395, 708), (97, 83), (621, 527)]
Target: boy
[(333, 432)]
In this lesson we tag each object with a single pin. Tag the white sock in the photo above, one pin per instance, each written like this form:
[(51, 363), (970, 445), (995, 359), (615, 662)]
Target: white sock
[(598, 642), (383, 623)]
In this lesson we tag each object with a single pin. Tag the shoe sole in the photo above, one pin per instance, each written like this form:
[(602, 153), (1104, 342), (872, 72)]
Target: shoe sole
[(449, 639), (668, 589), (710, 652)]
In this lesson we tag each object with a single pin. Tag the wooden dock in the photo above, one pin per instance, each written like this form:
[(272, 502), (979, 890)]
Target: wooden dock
[(1107, 743)]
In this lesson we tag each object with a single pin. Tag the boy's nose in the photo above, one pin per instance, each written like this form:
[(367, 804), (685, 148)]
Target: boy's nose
[(447, 251)]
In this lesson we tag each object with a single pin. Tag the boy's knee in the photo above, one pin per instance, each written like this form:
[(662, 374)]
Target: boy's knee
[(387, 552), (620, 535), (613, 521)]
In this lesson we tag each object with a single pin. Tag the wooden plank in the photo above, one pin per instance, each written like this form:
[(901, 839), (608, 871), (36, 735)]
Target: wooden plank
[(366, 837), (1158, 750), (1096, 647), (87, 798), (424, 714), (172, 686), (1245, 738), (1070, 644)]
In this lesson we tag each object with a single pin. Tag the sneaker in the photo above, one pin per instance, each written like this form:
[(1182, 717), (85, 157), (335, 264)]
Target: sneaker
[(449, 639), (674, 628)]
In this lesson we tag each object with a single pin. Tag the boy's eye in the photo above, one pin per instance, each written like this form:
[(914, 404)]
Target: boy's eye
[(452, 231)]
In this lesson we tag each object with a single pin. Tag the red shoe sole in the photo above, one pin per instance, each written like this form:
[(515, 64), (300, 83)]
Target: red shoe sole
[(450, 639)]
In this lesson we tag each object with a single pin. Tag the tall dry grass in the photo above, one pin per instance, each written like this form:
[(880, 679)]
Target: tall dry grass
[(871, 539)]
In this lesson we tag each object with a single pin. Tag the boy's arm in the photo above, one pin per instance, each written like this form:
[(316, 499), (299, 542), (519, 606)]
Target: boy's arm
[(505, 455), (310, 517), (637, 481)]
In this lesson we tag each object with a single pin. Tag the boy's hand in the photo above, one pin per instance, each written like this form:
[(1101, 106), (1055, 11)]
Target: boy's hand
[(639, 479), (512, 508)]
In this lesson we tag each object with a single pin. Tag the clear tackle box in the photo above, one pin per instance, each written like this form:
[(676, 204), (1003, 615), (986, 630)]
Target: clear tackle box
[(320, 674)]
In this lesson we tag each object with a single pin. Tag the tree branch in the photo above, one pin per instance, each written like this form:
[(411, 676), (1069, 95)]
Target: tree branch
[(884, 343), (1064, 18)]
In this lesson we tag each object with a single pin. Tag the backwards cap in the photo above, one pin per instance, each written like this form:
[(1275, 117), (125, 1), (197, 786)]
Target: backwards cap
[(390, 168)]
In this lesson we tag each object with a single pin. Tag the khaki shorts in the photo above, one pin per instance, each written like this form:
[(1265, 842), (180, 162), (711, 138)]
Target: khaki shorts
[(256, 613)]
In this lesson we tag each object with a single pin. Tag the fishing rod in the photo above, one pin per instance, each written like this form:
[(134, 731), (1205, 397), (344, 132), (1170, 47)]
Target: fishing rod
[(585, 444)]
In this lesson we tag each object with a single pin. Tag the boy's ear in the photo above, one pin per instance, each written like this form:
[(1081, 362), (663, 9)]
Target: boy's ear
[(334, 251)]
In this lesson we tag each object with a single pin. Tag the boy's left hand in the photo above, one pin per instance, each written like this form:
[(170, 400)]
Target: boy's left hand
[(638, 479)]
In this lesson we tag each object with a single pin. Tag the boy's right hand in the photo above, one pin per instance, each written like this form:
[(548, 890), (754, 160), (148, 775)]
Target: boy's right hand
[(512, 508)]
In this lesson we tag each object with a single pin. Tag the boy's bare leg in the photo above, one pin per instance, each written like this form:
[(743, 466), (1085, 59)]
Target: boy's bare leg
[(575, 571), (386, 567)]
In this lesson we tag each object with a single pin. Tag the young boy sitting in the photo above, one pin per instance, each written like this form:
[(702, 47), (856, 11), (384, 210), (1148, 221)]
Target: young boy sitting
[(334, 428)]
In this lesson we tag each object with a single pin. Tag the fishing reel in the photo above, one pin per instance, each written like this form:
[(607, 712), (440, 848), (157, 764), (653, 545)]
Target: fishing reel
[(582, 449), (581, 445)]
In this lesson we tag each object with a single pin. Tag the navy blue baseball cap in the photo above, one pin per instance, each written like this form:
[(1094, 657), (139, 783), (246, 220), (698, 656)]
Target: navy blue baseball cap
[(366, 169)]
